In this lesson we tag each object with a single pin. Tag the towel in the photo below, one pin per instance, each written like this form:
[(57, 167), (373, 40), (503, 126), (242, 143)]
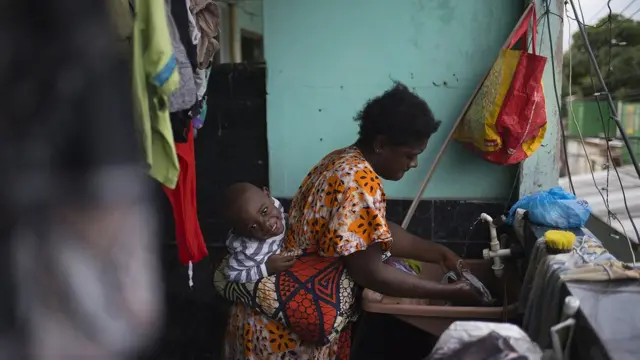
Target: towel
[(540, 297)]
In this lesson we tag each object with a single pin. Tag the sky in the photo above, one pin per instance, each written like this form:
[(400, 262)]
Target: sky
[(596, 9)]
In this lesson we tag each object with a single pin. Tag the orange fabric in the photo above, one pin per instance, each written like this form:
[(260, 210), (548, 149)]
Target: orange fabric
[(340, 208), (250, 336)]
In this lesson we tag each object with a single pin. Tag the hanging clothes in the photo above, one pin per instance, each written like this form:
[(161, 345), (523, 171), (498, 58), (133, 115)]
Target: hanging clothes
[(193, 28), (207, 15), (185, 96), (191, 245), (180, 13), (154, 79), (200, 76)]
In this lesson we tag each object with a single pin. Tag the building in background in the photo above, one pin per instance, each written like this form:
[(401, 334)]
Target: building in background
[(587, 128)]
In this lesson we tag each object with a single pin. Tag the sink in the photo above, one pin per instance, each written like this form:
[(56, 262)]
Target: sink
[(434, 316)]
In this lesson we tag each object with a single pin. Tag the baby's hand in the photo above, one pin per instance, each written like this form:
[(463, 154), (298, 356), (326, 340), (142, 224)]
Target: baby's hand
[(279, 263)]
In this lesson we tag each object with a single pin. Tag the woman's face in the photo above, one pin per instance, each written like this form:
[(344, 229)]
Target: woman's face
[(391, 162)]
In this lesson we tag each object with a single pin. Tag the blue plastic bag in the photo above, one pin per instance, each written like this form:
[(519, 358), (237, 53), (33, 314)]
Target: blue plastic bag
[(554, 208)]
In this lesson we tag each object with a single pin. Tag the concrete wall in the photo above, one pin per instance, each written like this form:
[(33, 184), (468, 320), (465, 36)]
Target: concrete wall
[(540, 171), (326, 58)]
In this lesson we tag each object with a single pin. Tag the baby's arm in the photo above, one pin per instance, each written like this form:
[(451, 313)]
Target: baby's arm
[(242, 269)]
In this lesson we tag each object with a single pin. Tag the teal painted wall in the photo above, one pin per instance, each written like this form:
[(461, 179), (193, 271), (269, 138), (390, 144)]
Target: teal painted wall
[(326, 58)]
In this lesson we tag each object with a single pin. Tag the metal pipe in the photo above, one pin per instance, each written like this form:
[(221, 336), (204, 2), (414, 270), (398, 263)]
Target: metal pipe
[(612, 106)]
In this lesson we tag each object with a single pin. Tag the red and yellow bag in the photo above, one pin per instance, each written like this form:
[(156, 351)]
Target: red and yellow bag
[(506, 121)]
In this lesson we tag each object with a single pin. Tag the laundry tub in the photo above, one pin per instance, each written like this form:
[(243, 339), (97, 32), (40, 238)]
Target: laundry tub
[(434, 316)]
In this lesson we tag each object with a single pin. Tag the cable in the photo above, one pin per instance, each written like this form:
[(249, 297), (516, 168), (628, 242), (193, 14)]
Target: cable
[(607, 131), (597, 12), (610, 214), (631, 16), (575, 18), (605, 90), (626, 7), (609, 154)]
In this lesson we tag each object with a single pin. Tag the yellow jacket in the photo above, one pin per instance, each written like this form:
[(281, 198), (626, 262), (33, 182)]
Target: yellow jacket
[(154, 78)]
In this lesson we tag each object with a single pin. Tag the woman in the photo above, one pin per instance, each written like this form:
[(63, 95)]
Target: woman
[(339, 211)]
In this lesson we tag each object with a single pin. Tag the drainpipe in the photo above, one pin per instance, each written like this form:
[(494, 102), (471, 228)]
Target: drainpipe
[(234, 36)]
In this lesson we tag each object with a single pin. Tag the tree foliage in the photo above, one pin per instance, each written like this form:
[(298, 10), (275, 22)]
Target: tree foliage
[(616, 45)]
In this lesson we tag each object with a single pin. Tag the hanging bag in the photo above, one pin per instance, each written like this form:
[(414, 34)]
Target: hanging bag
[(506, 120)]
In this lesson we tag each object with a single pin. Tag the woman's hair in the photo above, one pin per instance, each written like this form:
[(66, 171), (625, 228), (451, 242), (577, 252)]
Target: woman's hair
[(399, 114)]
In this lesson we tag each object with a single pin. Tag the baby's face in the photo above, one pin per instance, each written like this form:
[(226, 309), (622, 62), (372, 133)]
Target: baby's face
[(259, 218)]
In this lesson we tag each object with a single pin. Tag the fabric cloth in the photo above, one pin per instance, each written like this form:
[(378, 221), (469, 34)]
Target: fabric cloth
[(339, 209), (247, 256), (401, 265), (193, 27), (191, 245), (184, 96), (155, 77), (542, 285), (180, 13), (477, 284), (201, 78), (250, 336), (461, 332), (207, 15)]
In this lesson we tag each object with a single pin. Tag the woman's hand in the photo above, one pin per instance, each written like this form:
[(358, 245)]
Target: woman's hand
[(463, 293)]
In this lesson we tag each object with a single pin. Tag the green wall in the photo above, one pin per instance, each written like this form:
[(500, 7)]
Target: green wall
[(326, 58), (587, 117)]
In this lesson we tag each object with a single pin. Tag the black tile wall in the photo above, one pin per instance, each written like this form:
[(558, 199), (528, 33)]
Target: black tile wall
[(232, 145)]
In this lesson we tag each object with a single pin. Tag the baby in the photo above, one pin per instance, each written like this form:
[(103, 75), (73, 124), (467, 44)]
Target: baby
[(258, 229)]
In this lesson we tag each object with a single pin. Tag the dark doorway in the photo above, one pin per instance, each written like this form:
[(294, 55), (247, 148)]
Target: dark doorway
[(252, 47)]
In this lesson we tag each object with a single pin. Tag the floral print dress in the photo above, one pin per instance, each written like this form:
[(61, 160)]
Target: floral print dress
[(339, 209)]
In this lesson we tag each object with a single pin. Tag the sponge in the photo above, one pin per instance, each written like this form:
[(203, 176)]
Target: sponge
[(559, 241)]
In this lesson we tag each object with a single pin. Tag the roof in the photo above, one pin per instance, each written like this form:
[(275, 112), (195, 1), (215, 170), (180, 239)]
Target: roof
[(585, 189)]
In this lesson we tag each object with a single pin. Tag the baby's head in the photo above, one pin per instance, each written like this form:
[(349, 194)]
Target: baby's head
[(252, 213)]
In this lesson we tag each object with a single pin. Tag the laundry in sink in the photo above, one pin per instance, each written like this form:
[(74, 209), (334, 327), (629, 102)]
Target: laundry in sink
[(466, 275)]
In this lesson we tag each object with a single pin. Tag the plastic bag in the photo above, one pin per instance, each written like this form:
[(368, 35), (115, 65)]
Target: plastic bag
[(554, 208), (492, 346), (471, 340)]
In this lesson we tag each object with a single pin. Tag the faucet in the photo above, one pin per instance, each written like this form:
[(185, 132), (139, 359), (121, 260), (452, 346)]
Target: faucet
[(494, 252)]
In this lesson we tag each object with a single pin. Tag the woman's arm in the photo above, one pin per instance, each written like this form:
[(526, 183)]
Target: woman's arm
[(368, 271), (408, 246)]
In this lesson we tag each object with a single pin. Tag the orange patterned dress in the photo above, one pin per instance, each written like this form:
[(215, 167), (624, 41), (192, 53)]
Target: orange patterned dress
[(339, 209)]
